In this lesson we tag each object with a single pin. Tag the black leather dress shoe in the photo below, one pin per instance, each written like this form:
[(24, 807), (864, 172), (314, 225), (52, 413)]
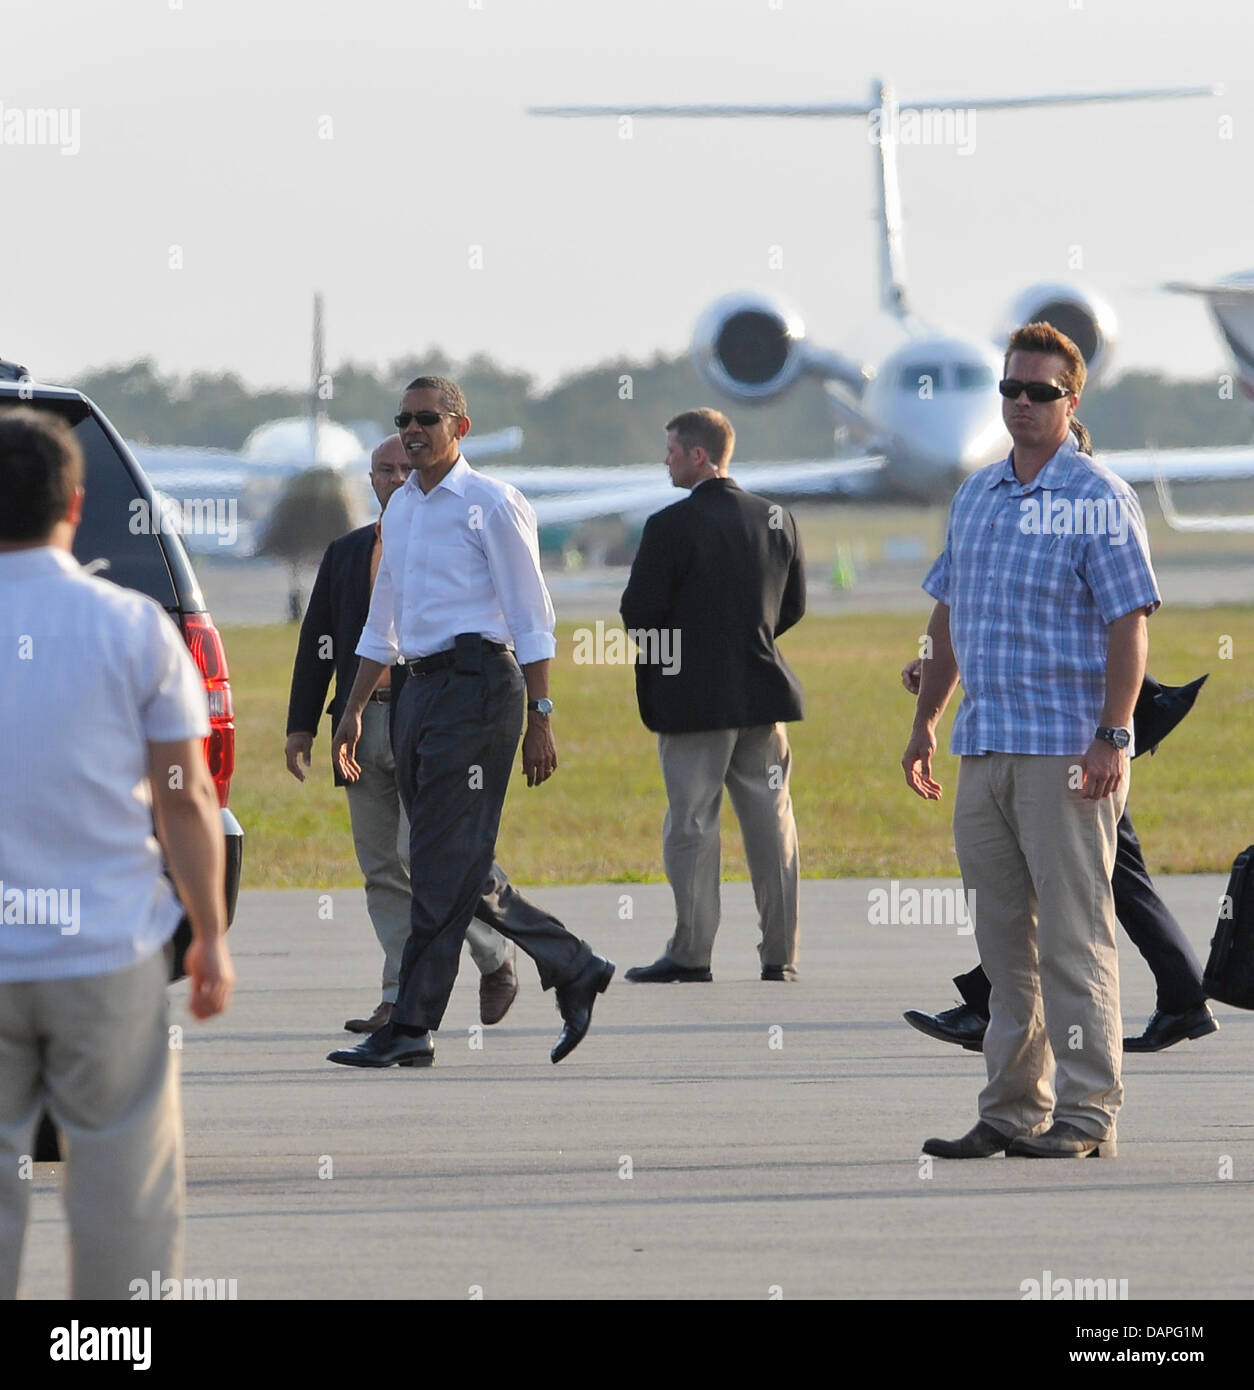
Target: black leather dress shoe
[(575, 1000), (1165, 1030), (981, 1142), (961, 1025), (387, 1048), (779, 972), (664, 971)]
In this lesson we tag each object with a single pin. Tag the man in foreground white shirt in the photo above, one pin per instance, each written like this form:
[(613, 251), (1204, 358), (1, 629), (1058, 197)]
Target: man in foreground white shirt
[(104, 716)]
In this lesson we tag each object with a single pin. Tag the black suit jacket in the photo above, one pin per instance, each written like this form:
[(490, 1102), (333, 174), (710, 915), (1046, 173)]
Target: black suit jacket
[(724, 569), (338, 604)]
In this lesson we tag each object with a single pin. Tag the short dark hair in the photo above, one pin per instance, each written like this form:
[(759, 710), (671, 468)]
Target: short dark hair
[(41, 465), (707, 429), (452, 397)]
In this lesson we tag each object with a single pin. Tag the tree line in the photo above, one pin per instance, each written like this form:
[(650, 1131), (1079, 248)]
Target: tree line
[(607, 414)]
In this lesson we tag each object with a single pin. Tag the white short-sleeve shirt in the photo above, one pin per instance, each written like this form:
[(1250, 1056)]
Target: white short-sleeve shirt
[(90, 674)]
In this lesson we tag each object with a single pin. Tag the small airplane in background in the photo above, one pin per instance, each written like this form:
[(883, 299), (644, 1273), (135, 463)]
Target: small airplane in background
[(275, 456), (927, 414)]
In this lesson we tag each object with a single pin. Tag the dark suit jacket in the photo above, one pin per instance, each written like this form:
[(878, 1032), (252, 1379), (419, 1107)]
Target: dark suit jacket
[(338, 604), (714, 567)]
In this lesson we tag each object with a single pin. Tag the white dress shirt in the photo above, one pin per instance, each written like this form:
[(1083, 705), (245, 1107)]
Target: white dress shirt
[(462, 558), (90, 674)]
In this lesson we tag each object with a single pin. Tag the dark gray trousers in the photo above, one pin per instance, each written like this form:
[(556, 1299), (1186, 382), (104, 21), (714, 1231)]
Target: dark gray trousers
[(455, 739)]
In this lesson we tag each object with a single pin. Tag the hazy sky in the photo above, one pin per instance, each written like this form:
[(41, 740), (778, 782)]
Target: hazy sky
[(201, 125)]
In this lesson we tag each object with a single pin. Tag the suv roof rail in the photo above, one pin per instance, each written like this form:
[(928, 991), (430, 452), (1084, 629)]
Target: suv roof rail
[(13, 371)]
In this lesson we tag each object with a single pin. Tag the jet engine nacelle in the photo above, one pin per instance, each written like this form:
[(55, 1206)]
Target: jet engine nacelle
[(750, 346), (1087, 320)]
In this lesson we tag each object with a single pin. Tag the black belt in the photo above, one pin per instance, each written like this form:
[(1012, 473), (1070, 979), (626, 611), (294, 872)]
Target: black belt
[(441, 661), (382, 696)]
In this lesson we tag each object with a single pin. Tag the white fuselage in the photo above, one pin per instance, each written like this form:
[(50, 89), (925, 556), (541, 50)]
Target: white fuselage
[(932, 408)]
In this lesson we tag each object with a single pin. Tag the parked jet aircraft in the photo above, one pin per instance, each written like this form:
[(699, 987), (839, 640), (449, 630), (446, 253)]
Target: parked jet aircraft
[(927, 414), (256, 477)]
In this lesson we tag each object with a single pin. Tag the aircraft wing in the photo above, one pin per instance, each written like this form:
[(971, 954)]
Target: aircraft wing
[(182, 466), (1198, 465), (255, 486), (180, 472), (1198, 521), (628, 492)]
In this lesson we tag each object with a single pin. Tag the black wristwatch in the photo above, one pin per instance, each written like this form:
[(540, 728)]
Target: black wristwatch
[(1117, 738), (544, 707)]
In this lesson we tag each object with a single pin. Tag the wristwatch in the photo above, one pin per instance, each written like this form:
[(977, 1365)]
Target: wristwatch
[(1117, 738), (544, 707)]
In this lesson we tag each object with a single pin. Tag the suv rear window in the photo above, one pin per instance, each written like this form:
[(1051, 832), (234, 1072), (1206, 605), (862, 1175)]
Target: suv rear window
[(136, 561)]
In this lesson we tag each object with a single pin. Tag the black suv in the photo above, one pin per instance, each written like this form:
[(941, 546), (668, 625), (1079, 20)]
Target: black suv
[(152, 560)]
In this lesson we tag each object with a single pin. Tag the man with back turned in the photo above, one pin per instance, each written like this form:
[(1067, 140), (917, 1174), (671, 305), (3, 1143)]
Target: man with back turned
[(720, 572)]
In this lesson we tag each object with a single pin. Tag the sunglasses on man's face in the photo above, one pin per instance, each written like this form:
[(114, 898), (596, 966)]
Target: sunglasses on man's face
[(1038, 392), (425, 418)]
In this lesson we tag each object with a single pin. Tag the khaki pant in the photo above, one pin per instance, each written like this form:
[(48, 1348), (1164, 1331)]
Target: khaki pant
[(1038, 858), (754, 764), (97, 1050), (381, 840)]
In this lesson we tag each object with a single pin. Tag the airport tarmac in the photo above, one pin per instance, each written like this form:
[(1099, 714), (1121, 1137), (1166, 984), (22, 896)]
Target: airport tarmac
[(738, 1139)]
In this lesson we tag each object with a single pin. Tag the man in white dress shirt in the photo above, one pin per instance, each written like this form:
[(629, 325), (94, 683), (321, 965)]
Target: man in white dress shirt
[(104, 716), (459, 579)]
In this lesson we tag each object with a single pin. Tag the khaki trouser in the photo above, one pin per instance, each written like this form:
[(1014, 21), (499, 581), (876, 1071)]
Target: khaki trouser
[(97, 1049), (381, 839), (1038, 857), (754, 764)]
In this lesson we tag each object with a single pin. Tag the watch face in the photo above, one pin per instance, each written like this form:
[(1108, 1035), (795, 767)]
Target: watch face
[(542, 706)]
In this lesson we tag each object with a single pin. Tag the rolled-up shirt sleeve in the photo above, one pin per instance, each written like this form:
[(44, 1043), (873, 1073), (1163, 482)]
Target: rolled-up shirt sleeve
[(512, 548), (378, 638), (936, 582), (169, 690), (1116, 562)]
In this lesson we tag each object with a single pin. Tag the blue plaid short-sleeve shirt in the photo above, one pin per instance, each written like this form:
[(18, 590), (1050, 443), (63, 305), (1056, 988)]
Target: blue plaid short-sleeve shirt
[(1033, 575)]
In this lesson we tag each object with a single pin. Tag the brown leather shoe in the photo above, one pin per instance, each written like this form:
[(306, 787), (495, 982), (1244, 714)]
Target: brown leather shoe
[(1065, 1140), (497, 990), (372, 1024)]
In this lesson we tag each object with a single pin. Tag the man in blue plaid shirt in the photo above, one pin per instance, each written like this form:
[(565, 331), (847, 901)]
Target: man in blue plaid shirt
[(1042, 595)]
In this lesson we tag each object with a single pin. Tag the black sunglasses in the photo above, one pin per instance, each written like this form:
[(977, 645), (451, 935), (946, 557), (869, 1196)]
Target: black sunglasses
[(1038, 391), (425, 418)]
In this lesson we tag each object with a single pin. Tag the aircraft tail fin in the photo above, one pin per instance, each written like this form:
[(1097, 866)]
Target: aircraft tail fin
[(1231, 304), (317, 369), (883, 116)]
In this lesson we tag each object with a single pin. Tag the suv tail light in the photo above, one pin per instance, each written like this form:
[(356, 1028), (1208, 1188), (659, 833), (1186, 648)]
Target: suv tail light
[(205, 645)]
